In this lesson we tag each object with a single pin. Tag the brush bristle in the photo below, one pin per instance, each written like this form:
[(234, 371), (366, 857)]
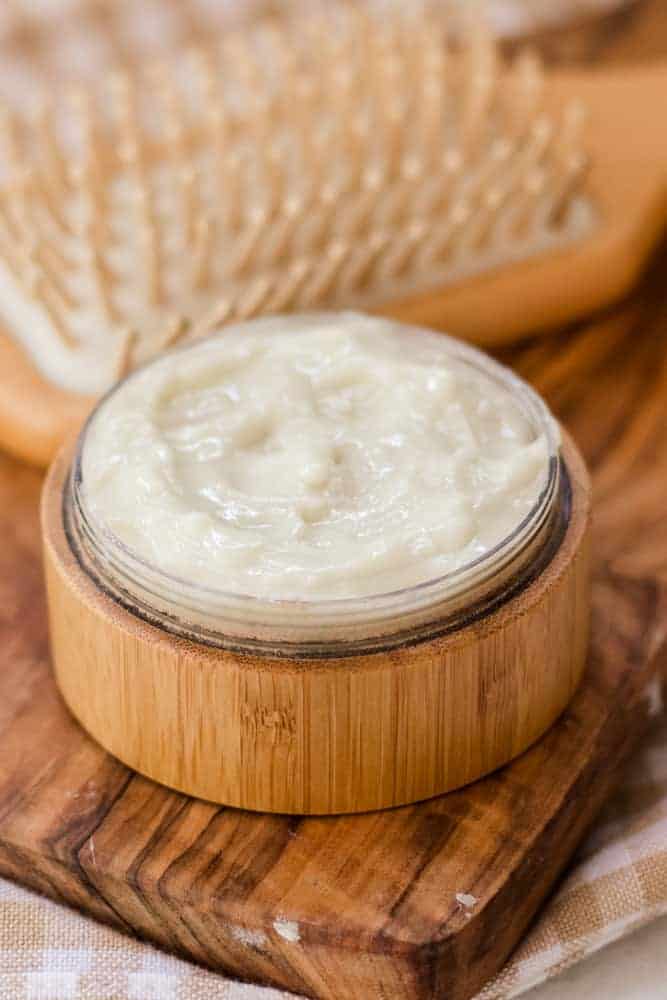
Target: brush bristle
[(344, 160)]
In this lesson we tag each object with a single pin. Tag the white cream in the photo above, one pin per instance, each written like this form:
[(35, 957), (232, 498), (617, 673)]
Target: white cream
[(314, 457)]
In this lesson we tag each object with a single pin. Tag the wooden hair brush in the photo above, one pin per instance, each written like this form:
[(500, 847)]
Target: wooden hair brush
[(338, 160)]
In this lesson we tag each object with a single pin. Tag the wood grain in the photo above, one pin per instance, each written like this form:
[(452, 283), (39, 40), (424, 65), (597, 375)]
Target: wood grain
[(338, 734), (381, 920), (372, 897)]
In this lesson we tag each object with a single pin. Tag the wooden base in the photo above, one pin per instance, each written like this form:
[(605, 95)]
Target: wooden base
[(360, 906), (340, 734), (336, 908)]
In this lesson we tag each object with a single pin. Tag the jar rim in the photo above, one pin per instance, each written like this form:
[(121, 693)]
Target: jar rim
[(118, 567)]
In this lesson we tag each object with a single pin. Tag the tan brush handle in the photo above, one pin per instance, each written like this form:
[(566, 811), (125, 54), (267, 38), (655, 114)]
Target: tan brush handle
[(628, 185), (35, 415)]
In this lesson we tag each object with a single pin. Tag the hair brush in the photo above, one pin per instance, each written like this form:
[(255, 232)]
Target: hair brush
[(341, 159)]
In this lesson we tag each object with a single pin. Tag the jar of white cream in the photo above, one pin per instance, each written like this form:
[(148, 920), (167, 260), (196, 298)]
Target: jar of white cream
[(316, 564)]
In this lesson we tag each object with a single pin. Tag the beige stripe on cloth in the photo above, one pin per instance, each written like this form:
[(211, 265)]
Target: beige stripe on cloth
[(617, 883)]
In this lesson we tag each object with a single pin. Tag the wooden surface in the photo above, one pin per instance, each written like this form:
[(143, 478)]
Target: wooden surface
[(341, 733), (372, 899), (78, 826), (637, 32)]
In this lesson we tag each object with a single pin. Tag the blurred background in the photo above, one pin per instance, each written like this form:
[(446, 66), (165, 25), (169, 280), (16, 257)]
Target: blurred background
[(56, 41)]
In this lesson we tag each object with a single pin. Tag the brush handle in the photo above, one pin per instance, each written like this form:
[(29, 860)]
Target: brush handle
[(628, 187), (35, 415)]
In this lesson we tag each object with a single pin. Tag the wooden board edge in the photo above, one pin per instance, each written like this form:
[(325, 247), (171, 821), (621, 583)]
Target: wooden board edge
[(424, 968), (510, 910)]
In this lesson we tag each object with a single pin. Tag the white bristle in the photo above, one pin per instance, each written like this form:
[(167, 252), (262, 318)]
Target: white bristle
[(174, 329), (201, 252), (127, 342), (218, 313), (286, 294), (341, 159)]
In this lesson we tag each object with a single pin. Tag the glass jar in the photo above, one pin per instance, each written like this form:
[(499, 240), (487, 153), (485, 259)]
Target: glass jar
[(322, 628)]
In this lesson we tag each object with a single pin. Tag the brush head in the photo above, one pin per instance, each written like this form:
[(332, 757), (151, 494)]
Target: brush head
[(344, 159)]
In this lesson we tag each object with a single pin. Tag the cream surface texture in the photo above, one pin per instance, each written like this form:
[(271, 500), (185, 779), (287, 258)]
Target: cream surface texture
[(313, 458)]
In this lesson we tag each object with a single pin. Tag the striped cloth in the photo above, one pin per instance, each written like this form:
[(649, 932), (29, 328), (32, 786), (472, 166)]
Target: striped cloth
[(617, 883)]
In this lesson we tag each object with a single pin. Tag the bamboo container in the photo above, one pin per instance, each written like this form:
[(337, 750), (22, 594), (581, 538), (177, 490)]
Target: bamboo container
[(357, 729)]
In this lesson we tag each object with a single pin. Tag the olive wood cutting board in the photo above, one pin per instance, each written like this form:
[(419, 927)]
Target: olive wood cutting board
[(418, 902)]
